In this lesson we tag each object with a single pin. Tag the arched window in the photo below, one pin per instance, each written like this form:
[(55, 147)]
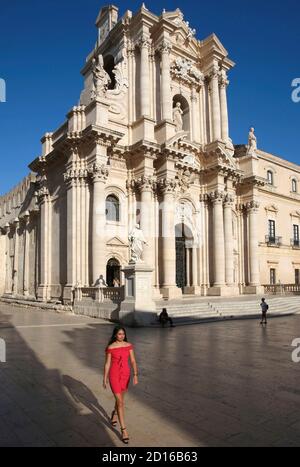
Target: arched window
[(112, 209), (294, 185), (270, 177)]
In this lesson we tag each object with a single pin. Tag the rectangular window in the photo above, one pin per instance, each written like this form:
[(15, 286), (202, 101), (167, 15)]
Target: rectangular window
[(296, 234), (272, 230), (272, 276), (297, 276)]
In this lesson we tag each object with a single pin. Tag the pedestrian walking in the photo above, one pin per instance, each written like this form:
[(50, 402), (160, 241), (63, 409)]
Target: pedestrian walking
[(264, 308), (117, 371)]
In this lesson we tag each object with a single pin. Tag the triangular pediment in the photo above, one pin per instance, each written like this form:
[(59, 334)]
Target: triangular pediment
[(212, 45), (116, 241)]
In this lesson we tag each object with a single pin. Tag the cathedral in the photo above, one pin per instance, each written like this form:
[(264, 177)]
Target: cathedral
[(141, 189)]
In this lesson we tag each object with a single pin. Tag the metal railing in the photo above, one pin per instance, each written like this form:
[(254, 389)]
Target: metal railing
[(275, 241), (295, 243)]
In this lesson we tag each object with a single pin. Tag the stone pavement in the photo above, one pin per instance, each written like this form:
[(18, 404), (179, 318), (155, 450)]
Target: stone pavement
[(215, 384)]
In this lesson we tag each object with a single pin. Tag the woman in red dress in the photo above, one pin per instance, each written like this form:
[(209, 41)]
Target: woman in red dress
[(117, 370)]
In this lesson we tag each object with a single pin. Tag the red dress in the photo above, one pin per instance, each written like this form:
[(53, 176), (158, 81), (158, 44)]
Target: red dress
[(119, 373)]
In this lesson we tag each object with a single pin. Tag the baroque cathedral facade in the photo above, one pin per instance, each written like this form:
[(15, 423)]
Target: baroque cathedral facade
[(148, 144)]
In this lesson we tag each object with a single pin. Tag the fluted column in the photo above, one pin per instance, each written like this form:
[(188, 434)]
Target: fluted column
[(218, 239), (26, 255), (166, 97), (228, 241), (144, 45), (253, 242), (147, 221), (16, 257), (45, 232), (224, 109), (215, 103), (99, 176), (168, 238), (71, 182)]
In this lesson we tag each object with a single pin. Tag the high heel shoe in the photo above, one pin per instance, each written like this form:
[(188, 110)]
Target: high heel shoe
[(125, 440), (111, 418)]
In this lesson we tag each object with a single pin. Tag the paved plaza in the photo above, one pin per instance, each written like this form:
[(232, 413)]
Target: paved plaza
[(215, 384)]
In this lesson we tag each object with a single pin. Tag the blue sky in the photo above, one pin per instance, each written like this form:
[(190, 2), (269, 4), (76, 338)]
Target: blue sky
[(43, 45)]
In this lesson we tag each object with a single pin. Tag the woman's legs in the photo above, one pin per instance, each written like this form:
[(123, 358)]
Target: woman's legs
[(120, 410)]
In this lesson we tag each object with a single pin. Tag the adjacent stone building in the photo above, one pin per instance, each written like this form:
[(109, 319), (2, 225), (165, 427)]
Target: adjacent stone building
[(149, 144)]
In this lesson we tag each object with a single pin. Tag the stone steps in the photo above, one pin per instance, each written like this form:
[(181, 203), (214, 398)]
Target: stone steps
[(192, 313)]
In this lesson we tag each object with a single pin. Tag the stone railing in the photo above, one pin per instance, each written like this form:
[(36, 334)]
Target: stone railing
[(100, 294), (282, 289)]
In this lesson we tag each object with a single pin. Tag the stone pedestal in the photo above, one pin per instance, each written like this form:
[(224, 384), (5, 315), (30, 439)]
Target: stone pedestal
[(164, 131), (223, 291), (253, 289), (97, 112), (138, 308)]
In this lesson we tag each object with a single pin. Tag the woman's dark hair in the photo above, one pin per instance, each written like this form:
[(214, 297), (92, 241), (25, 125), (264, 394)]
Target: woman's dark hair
[(114, 335)]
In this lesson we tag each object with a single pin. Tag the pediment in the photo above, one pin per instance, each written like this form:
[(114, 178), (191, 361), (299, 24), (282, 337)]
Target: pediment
[(271, 208), (212, 45), (180, 142), (295, 214), (184, 34), (116, 241)]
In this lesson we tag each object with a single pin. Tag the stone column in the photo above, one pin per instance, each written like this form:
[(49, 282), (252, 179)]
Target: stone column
[(44, 200), (253, 242), (168, 257), (99, 176), (144, 45), (224, 109), (218, 239), (228, 241), (16, 258), (147, 221), (166, 97), (26, 255), (71, 182), (215, 103), (195, 266)]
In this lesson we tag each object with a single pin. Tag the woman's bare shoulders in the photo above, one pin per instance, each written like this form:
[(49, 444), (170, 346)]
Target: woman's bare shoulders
[(114, 346)]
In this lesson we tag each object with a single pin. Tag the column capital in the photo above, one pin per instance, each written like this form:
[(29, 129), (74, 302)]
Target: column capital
[(43, 194), (98, 172), (167, 186), (223, 81), (164, 47), (213, 73), (217, 197), (229, 201), (73, 176), (144, 42), (144, 183), (252, 206)]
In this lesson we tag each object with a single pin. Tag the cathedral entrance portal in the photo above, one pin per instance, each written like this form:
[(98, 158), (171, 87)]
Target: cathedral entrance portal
[(184, 240), (113, 269)]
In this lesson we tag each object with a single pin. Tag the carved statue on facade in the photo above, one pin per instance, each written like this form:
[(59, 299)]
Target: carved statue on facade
[(252, 142), (101, 78), (177, 117), (136, 244)]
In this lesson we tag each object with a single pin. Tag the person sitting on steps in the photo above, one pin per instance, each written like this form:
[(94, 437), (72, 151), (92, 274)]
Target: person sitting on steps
[(164, 318)]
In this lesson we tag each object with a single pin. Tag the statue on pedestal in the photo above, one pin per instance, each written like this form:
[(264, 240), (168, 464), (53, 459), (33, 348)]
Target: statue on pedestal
[(252, 142), (136, 244), (177, 117)]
